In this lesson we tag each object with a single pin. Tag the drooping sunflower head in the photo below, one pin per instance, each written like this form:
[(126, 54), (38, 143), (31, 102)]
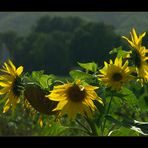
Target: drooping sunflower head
[(74, 98), (114, 75), (11, 85), (139, 56), (35, 96), (136, 40)]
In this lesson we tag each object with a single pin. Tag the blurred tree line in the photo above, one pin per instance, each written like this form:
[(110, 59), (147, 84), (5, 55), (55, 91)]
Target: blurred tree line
[(56, 44)]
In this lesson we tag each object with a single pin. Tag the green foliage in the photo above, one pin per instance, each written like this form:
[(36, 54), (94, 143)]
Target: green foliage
[(140, 127), (120, 52), (90, 79), (55, 44), (53, 128), (123, 131), (77, 74), (17, 124), (41, 79), (129, 97), (89, 66)]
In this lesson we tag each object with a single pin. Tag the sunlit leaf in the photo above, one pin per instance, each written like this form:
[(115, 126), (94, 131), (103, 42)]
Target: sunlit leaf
[(42, 79), (120, 52), (89, 66), (128, 96), (77, 74), (46, 80), (140, 127)]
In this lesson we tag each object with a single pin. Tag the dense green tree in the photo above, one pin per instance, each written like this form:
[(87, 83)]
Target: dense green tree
[(47, 24), (49, 51), (56, 44), (92, 42)]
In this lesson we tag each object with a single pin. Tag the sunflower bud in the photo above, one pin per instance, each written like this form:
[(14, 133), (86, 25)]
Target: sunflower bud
[(36, 97)]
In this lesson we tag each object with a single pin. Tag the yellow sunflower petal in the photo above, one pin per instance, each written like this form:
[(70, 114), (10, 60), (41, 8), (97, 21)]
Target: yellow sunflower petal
[(106, 64), (5, 71), (14, 102), (6, 77), (130, 42), (5, 84), (9, 69), (103, 71), (89, 87), (135, 35), (4, 90), (40, 121), (89, 102), (56, 97), (7, 106), (141, 36), (125, 65), (116, 62), (19, 70), (71, 109), (60, 105), (12, 65), (111, 62)]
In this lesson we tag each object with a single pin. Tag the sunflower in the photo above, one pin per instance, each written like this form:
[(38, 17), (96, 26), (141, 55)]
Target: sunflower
[(74, 98), (36, 98), (140, 60), (10, 82), (114, 75), (135, 41), (139, 55)]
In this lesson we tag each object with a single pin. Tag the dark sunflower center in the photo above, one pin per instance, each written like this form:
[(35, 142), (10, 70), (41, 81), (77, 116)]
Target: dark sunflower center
[(17, 87), (76, 94), (137, 60), (117, 76)]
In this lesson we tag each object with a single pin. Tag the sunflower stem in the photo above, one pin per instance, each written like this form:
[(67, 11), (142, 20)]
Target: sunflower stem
[(86, 129), (92, 126), (103, 127)]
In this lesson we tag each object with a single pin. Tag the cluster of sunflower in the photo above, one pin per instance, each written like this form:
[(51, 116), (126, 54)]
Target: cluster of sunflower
[(76, 96)]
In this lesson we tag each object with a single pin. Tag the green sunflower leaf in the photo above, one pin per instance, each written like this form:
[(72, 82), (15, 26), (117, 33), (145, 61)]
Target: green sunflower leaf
[(140, 127), (120, 52), (128, 96), (46, 80), (42, 79), (89, 66), (122, 131), (77, 74), (113, 120)]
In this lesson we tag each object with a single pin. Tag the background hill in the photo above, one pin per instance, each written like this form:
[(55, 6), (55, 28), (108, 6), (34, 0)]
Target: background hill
[(21, 22)]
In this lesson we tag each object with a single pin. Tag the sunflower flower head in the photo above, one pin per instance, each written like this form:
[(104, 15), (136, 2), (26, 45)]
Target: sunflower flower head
[(11, 85), (136, 40), (114, 75), (74, 98), (35, 96), (139, 59), (139, 56)]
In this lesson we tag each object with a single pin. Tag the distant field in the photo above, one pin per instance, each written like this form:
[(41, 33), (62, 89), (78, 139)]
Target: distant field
[(122, 21)]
